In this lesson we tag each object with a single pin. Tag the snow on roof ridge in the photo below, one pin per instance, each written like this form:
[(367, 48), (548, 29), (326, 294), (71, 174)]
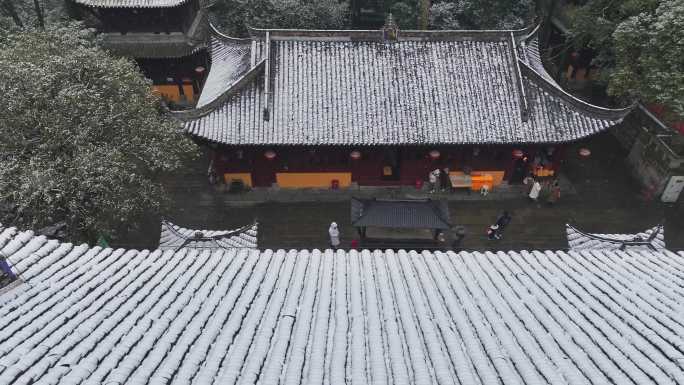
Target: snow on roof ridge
[(301, 32), (174, 237), (653, 237)]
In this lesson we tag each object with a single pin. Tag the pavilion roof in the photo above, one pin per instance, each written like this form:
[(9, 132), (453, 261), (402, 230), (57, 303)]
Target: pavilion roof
[(653, 238), (174, 237), (357, 88), (151, 45), (105, 316), (400, 213)]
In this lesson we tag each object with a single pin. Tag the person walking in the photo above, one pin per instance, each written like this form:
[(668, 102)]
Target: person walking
[(459, 234), (444, 179), (503, 220), (493, 232), (534, 191), (438, 179), (554, 193), (432, 179), (334, 233)]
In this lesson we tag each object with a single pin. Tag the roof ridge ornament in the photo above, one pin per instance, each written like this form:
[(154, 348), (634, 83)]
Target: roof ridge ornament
[(390, 31), (522, 97)]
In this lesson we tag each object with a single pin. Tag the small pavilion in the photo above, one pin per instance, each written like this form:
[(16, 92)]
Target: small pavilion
[(427, 214)]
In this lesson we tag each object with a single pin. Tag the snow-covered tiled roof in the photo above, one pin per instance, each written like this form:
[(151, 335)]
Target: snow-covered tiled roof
[(103, 316), (354, 88), (652, 238), (230, 60), (173, 237), (131, 3)]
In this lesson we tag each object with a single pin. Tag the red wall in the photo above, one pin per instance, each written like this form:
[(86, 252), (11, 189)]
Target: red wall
[(411, 162)]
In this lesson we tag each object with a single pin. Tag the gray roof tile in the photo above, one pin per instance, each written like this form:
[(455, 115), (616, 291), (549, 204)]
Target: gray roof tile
[(461, 88), (96, 316)]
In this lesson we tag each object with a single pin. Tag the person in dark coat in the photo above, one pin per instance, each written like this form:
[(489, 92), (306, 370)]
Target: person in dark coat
[(493, 232), (444, 179), (554, 193), (503, 220), (459, 234), (5, 268)]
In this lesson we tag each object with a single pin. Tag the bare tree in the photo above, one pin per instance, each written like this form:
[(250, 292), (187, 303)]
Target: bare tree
[(9, 9), (39, 14)]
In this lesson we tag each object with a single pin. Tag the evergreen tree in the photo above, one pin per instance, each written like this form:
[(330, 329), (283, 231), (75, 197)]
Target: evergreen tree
[(233, 17), (639, 45), (83, 140)]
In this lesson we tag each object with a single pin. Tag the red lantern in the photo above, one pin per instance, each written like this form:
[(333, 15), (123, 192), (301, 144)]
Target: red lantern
[(434, 154), (518, 154), (270, 154), (584, 152), (355, 155)]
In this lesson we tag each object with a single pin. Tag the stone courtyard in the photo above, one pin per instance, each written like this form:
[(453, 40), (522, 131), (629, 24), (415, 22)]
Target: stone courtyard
[(598, 195)]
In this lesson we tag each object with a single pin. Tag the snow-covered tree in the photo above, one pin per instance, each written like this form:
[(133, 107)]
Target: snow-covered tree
[(640, 45), (234, 16), (481, 14), (82, 139)]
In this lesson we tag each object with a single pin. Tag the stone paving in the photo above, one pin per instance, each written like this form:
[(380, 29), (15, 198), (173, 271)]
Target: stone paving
[(598, 196)]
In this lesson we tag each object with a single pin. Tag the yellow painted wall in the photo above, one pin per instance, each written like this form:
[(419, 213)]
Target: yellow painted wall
[(170, 91), (497, 176), (245, 177), (312, 179), (480, 178)]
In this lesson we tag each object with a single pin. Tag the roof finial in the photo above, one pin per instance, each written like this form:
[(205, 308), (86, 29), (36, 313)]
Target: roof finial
[(390, 29)]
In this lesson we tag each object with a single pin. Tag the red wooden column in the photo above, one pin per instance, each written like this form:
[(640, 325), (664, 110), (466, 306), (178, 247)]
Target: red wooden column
[(265, 166)]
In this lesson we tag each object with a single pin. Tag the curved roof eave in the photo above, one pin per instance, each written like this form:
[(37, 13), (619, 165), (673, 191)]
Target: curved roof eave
[(215, 32), (218, 101), (616, 114), (602, 112), (655, 236)]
